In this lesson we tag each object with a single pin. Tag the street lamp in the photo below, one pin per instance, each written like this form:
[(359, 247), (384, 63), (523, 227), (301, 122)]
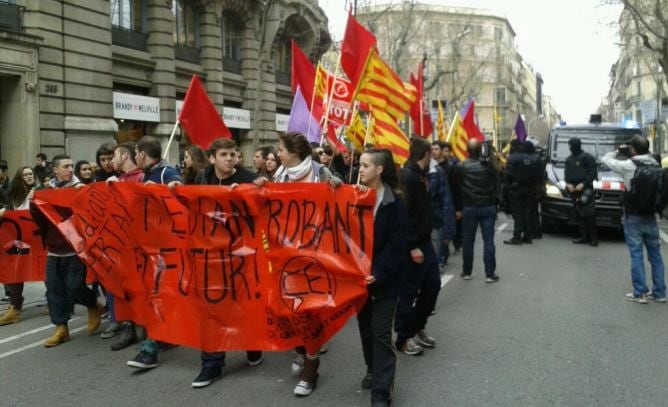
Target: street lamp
[(531, 122)]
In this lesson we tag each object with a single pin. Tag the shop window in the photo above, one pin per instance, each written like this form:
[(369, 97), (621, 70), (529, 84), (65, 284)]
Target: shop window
[(231, 40)]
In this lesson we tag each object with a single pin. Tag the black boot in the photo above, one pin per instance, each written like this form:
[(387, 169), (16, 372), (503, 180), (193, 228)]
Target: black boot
[(514, 240), (128, 337), (581, 240)]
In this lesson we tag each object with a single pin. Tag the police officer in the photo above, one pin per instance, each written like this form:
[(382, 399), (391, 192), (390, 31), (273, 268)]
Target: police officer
[(519, 179), (537, 188), (579, 176)]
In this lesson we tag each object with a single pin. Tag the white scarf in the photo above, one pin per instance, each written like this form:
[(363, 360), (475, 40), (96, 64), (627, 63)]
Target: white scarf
[(285, 174)]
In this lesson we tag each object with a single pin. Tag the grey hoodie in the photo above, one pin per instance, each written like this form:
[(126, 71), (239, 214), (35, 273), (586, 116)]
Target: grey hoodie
[(626, 168)]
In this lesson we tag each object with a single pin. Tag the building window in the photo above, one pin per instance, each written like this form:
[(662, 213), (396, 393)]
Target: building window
[(500, 96), (231, 40), (127, 14), (282, 58), (498, 33), (186, 24)]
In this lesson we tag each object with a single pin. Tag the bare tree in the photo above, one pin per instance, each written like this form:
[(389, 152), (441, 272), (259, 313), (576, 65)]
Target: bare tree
[(401, 28), (647, 19)]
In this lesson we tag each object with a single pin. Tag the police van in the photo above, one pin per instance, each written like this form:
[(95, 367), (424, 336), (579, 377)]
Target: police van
[(597, 139)]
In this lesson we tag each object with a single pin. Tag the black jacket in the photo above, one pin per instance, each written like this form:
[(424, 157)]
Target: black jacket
[(475, 184), (580, 168), (208, 177), (418, 202), (389, 246)]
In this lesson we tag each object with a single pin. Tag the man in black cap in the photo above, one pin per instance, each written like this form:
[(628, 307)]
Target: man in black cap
[(579, 175)]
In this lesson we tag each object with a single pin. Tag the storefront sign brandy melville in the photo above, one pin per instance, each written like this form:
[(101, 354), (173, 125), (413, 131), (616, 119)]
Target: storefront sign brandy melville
[(134, 107)]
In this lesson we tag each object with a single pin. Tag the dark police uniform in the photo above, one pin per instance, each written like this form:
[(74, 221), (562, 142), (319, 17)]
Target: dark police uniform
[(581, 169)]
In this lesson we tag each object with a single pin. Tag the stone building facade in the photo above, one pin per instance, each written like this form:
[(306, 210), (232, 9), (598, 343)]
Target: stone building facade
[(469, 52), (75, 74)]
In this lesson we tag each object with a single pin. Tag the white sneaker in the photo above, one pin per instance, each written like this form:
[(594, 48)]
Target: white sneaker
[(657, 299), (424, 340), (640, 299), (304, 389)]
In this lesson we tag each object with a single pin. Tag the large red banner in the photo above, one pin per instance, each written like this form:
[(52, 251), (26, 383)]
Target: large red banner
[(216, 268), (22, 253)]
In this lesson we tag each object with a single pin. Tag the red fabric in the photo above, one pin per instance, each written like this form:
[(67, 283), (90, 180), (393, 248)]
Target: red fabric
[(219, 268), (468, 123), (357, 42), (334, 141), (22, 253), (303, 76), (200, 118), (426, 128)]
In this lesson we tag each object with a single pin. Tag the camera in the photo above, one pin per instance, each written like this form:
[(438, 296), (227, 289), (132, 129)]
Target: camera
[(485, 151)]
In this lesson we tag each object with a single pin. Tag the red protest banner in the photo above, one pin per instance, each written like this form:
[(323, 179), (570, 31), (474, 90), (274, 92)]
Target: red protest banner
[(22, 254), (216, 268)]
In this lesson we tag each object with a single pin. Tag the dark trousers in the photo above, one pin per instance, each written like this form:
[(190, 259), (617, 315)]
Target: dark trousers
[(66, 286), (534, 215), (375, 325), (418, 294), (459, 235), (217, 359), (485, 216), (587, 225), (520, 205), (15, 295)]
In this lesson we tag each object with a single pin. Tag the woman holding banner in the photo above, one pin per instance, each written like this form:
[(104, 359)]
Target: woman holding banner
[(19, 197), (294, 151), (390, 255)]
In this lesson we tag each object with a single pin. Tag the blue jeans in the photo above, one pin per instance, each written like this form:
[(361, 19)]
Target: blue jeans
[(640, 230), (486, 217)]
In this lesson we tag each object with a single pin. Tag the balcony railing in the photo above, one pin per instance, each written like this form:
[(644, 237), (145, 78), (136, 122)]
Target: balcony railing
[(11, 17), (231, 65), (188, 54), (129, 38), (283, 78)]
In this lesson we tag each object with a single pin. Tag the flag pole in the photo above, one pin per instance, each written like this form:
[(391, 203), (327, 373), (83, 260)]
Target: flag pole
[(310, 108), (171, 137), (366, 140), (452, 127)]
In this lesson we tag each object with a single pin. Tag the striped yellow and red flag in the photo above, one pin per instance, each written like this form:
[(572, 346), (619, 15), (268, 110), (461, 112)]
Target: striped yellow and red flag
[(441, 123), (356, 132), (382, 88), (386, 133), (321, 78), (458, 138)]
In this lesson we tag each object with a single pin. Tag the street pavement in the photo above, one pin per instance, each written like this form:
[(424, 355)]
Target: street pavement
[(555, 331)]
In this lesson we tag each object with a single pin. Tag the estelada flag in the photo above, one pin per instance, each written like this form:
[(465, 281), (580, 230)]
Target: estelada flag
[(420, 113), (355, 47), (382, 88), (356, 132), (458, 139), (468, 122), (303, 75), (386, 133), (200, 118)]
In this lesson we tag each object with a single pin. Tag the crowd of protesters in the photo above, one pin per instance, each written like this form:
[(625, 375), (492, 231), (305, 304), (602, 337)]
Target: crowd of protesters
[(421, 210)]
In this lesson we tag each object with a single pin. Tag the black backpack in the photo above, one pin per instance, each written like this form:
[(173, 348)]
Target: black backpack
[(648, 192)]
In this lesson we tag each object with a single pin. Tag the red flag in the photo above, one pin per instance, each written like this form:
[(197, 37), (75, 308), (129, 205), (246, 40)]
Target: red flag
[(357, 42), (469, 125), (303, 76), (420, 110), (334, 141), (200, 118)]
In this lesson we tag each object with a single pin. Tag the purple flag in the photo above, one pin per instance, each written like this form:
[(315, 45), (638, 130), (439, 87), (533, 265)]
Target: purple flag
[(300, 117), (520, 130)]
